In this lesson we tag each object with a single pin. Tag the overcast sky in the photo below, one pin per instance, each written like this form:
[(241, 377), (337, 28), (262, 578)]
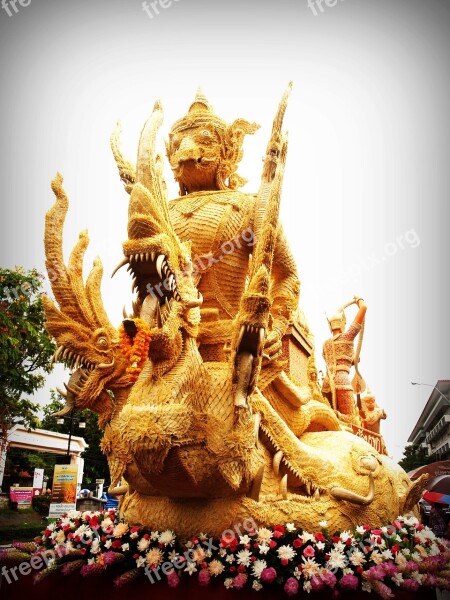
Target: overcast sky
[(365, 203)]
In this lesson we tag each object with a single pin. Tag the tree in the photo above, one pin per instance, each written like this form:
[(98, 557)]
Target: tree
[(95, 463), (25, 346), (414, 457)]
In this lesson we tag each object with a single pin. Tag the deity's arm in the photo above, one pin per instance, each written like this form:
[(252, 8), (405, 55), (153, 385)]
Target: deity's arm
[(285, 285)]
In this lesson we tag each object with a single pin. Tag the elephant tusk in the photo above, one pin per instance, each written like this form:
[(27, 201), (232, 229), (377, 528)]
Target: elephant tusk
[(343, 494)]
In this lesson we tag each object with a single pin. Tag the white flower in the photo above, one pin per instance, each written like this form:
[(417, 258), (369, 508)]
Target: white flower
[(339, 546), (143, 544), (108, 544), (323, 524), (286, 552), (307, 537), (140, 562), (400, 559), (360, 529), (222, 552), (243, 557), (167, 538), (376, 557), (95, 547), (309, 568), (290, 527), (384, 530), (337, 560), (357, 558), (91, 561), (134, 535), (228, 583), (190, 567), (434, 550), (403, 531), (125, 547), (307, 587), (256, 585), (106, 523), (264, 535), (264, 549), (417, 576), (173, 555), (230, 558), (347, 571), (366, 586), (258, 567), (297, 573), (387, 555), (202, 537), (397, 579), (320, 545), (416, 556), (51, 526), (154, 535), (406, 551), (345, 535), (244, 540)]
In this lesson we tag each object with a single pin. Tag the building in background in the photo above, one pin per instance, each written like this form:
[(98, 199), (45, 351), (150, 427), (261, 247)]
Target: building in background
[(432, 430)]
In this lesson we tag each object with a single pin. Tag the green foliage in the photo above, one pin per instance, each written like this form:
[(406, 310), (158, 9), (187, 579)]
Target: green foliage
[(95, 463), (25, 346), (41, 504), (414, 457)]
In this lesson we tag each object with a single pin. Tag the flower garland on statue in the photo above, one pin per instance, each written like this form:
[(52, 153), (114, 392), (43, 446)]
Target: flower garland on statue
[(135, 349), (404, 555)]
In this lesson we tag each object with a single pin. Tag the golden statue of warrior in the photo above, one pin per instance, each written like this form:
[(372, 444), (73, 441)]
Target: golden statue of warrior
[(371, 414), (203, 425), (338, 353)]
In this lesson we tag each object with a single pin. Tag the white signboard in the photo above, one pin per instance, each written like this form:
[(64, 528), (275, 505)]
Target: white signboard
[(38, 478)]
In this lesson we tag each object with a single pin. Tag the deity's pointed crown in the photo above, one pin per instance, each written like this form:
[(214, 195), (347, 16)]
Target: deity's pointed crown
[(200, 113)]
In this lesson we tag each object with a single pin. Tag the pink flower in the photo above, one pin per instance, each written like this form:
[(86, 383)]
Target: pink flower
[(349, 582), (268, 575), (309, 552), (329, 579), (317, 583), (239, 581), (411, 585), (291, 586), (172, 579), (204, 577)]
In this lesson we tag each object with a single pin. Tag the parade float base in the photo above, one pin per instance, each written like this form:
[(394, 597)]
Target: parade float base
[(74, 587)]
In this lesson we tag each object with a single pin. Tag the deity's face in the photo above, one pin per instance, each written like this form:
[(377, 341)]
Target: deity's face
[(194, 155), (370, 403)]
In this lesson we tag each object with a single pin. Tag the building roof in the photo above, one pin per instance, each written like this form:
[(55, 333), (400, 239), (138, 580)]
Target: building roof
[(431, 409)]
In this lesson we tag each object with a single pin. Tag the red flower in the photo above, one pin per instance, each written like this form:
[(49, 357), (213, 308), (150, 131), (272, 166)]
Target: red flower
[(395, 548), (232, 569), (253, 558), (134, 529), (241, 569), (272, 543), (419, 527), (284, 562), (135, 556), (279, 528), (366, 526), (76, 538), (319, 537), (359, 569), (297, 543), (116, 544), (83, 550), (336, 539), (377, 531)]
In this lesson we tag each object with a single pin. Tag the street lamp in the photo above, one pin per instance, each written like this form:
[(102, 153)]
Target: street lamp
[(81, 425), (433, 386)]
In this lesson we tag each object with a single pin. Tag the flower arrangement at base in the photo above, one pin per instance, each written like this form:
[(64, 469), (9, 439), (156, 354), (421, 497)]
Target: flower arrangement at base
[(404, 555)]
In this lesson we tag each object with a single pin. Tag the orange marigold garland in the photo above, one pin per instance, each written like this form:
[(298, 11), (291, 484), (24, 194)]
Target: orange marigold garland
[(136, 348)]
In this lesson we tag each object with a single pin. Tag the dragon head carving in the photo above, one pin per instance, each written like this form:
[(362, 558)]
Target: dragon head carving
[(87, 342)]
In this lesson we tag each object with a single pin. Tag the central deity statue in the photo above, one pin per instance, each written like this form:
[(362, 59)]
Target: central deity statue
[(204, 426)]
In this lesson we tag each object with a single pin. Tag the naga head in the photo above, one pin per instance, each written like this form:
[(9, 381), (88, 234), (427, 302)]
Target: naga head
[(204, 151), (161, 266), (87, 342)]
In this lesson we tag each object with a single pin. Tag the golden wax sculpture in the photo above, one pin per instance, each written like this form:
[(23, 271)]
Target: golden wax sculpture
[(203, 424)]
